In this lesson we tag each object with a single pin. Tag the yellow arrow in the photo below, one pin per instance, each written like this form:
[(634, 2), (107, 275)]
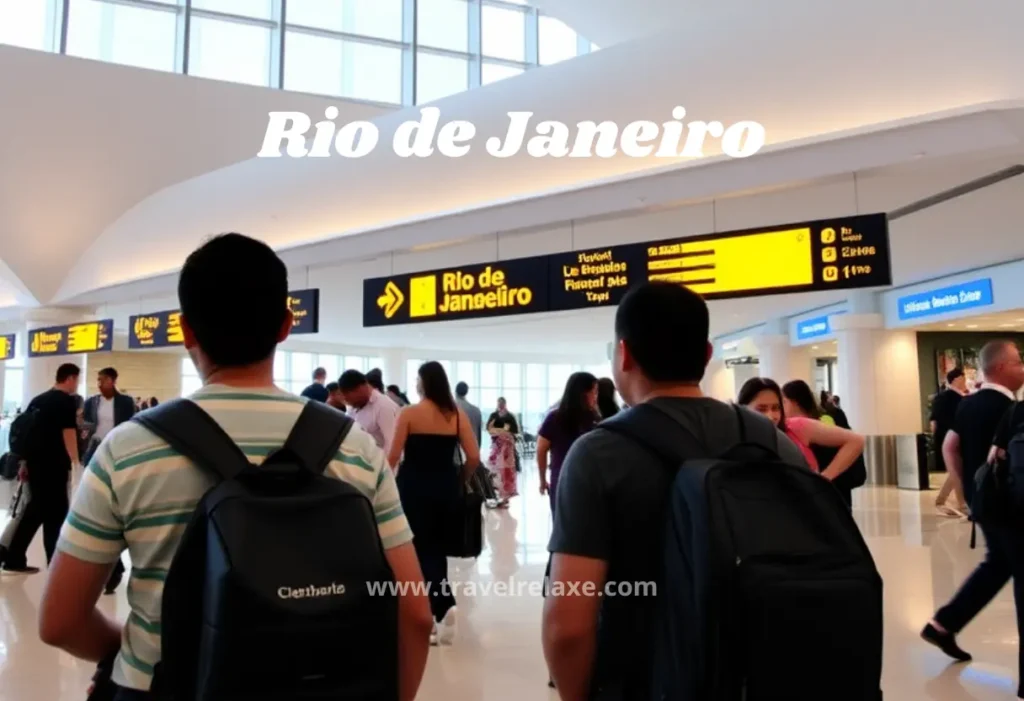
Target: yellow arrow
[(391, 300)]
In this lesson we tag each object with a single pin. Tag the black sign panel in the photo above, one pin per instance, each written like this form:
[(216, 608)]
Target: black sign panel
[(86, 337), (841, 253), (305, 306), (163, 329), (7, 346), (466, 292), (157, 330)]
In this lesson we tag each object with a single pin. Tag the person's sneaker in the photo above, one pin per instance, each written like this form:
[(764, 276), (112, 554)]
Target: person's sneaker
[(433, 635), (447, 627), (945, 642), (22, 569)]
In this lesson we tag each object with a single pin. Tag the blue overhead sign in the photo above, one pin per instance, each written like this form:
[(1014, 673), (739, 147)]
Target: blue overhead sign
[(946, 300), (813, 328)]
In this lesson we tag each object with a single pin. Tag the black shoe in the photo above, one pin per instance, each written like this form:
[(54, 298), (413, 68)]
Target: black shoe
[(945, 642), (23, 569), (3, 556), (551, 684)]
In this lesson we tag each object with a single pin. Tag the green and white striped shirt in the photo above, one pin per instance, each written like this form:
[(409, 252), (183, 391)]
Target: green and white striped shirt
[(139, 494)]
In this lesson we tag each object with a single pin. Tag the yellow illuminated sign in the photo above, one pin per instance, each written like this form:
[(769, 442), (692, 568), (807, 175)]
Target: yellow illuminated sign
[(391, 301), (752, 262), (6, 347), (44, 342), (87, 337)]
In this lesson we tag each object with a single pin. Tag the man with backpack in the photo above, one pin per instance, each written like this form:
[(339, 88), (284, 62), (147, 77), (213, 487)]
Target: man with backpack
[(683, 510), (257, 524), (967, 447), (46, 436)]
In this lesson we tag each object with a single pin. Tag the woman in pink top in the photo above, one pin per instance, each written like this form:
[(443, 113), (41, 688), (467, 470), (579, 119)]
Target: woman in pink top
[(765, 397)]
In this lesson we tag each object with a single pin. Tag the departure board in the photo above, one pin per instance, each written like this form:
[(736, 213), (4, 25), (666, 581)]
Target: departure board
[(7, 346), (840, 253), (156, 330), (86, 337), (163, 329)]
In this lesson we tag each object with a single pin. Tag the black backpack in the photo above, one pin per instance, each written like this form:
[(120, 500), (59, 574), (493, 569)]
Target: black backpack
[(25, 438), (272, 593), (999, 485), (763, 565)]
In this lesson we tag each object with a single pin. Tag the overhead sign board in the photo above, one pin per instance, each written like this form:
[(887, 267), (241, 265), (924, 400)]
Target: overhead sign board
[(815, 327), (7, 346), (946, 300), (842, 253), (305, 306), (86, 337), (163, 329)]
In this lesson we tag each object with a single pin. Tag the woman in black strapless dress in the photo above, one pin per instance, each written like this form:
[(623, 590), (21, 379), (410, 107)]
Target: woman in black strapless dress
[(431, 472)]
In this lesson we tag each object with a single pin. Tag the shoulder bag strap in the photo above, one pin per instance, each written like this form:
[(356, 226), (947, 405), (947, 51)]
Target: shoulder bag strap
[(193, 433), (317, 435)]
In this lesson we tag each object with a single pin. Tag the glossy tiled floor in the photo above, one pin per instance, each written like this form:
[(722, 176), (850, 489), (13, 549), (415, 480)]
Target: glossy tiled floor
[(498, 657)]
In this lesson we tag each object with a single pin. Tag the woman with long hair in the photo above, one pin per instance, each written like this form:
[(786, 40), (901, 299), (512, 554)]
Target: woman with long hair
[(503, 429), (576, 414), (428, 437), (764, 396), (835, 448), (607, 406)]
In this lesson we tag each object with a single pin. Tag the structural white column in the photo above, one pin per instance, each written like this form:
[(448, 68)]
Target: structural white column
[(394, 368), (878, 375), (718, 381), (41, 373), (780, 361)]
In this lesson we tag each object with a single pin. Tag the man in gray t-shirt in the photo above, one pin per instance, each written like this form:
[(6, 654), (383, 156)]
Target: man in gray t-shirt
[(612, 497), (473, 412)]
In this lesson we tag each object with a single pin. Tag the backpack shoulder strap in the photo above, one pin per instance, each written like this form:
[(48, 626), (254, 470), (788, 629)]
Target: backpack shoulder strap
[(317, 435), (193, 433)]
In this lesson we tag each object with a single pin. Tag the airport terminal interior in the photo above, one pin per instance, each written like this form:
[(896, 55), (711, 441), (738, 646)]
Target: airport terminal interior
[(873, 244)]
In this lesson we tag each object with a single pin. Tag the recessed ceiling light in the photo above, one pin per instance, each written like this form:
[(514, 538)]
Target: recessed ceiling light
[(1007, 326), (814, 348), (972, 326), (950, 325)]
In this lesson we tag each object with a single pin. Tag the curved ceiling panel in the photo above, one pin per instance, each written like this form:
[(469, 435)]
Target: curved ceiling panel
[(811, 76)]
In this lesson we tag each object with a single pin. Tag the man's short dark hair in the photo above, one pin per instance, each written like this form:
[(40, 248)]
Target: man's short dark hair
[(108, 372), (376, 379), (67, 371), (461, 389), (332, 387), (665, 326), (954, 375), (350, 380), (319, 373), (234, 295)]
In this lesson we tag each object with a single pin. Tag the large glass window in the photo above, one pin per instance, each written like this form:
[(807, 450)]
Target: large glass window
[(503, 33), (333, 66), (132, 36), (27, 23), (373, 18), (556, 41), (443, 24), (233, 51), (257, 9), (493, 72), (440, 76), (190, 380)]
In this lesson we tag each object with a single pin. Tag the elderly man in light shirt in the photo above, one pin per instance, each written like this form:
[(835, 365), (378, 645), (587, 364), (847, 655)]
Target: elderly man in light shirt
[(375, 412)]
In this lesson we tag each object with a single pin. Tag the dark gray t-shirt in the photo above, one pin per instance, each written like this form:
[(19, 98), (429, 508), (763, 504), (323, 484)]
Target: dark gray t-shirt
[(612, 502)]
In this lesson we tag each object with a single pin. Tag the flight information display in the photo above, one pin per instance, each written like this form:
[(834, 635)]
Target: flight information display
[(156, 330), (7, 346), (841, 253), (163, 329), (86, 337)]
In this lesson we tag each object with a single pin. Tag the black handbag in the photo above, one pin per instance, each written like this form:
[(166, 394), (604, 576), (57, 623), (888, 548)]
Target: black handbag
[(467, 531)]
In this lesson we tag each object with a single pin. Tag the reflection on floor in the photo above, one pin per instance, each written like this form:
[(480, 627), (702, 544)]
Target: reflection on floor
[(497, 657)]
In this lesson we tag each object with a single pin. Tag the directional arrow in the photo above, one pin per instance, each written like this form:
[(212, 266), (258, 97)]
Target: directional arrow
[(391, 300)]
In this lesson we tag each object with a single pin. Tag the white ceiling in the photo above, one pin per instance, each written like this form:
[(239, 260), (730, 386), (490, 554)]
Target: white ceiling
[(745, 73), (1000, 322), (82, 142)]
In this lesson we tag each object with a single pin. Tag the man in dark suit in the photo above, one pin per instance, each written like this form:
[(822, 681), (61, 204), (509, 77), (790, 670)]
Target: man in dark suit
[(102, 413)]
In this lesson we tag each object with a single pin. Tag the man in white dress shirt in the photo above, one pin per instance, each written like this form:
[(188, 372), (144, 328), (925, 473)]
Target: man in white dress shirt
[(375, 412)]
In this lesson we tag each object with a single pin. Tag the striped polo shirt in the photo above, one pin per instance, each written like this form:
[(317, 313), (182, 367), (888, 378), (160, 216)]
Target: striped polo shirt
[(139, 494)]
